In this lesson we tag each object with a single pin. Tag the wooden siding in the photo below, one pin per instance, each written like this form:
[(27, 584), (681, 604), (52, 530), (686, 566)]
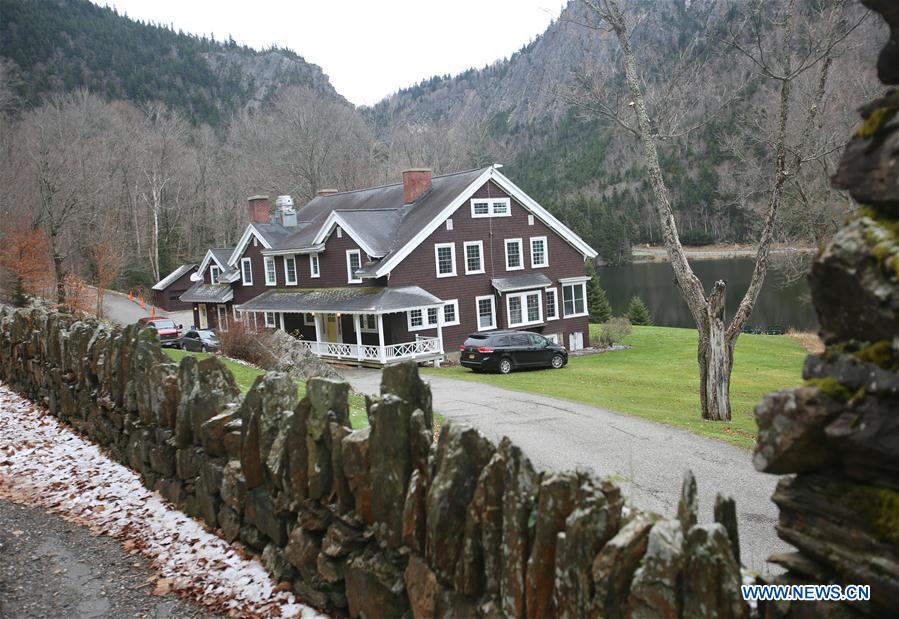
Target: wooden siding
[(167, 298), (420, 269)]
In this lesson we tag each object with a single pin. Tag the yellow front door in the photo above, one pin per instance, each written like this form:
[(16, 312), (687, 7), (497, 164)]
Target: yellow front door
[(332, 328), (204, 323)]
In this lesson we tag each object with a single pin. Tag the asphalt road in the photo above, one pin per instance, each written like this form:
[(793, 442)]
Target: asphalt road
[(646, 459), (119, 308)]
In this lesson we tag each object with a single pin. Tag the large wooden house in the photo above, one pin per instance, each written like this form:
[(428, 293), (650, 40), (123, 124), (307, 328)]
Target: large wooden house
[(403, 271)]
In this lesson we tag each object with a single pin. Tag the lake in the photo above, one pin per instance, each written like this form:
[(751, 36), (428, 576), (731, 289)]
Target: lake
[(778, 304)]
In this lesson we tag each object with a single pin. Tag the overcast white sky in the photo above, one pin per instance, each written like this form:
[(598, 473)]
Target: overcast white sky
[(369, 49)]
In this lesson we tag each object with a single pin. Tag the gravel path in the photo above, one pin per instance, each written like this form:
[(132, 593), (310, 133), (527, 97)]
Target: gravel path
[(50, 568)]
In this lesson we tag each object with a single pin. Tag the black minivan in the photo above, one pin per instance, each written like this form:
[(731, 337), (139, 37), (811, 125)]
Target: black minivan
[(504, 351)]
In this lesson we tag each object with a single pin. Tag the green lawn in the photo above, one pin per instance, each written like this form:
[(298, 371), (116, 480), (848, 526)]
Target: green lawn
[(245, 375), (658, 379)]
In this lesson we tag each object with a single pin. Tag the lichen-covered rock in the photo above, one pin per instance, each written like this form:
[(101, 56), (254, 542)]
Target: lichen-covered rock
[(275, 562), (519, 489), (341, 539), (590, 525), (356, 467), (302, 548), (234, 486), (207, 389), (265, 413), (867, 441), (656, 589), (791, 428), (414, 512), (259, 510), (375, 588), (711, 575), (328, 403), (688, 504), (614, 566), (725, 513), (462, 452), (214, 431)]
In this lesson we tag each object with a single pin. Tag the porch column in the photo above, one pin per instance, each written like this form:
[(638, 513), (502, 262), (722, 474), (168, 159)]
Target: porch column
[(382, 351), (282, 323), (439, 334), (318, 332), (357, 326)]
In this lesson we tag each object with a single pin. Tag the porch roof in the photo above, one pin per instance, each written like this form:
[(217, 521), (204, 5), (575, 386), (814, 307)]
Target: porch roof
[(367, 300), (207, 293), (521, 282)]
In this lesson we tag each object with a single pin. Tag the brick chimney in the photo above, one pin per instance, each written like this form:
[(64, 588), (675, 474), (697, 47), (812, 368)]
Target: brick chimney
[(416, 182), (258, 209), (326, 192)]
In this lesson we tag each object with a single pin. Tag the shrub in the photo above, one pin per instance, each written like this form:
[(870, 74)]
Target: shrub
[(637, 312), (242, 341), (614, 330)]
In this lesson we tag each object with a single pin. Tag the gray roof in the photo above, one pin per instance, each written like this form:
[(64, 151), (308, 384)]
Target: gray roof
[(273, 233), (222, 254), (378, 214), (348, 300), (207, 293), (521, 282), (172, 277)]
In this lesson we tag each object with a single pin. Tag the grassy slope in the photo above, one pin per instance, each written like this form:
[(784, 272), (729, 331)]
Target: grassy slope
[(245, 375), (658, 379)]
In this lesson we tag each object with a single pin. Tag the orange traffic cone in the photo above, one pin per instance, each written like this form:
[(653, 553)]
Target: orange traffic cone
[(142, 303), (152, 311), (131, 295)]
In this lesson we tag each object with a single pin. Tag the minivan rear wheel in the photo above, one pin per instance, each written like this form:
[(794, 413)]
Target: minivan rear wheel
[(505, 365)]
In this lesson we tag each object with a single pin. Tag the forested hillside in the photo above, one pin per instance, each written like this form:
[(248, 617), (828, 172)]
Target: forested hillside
[(130, 140), (61, 45)]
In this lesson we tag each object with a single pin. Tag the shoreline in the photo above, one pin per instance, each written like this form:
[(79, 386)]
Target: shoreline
[(656, 253)]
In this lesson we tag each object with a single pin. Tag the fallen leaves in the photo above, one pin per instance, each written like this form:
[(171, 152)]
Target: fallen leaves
[(48, 465)]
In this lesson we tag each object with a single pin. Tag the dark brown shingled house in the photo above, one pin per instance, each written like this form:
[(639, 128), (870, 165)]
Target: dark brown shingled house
[(403, 271)]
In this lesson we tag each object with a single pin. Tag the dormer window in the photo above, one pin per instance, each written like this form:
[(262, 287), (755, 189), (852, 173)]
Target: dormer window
[(490, 207), (213, 275)]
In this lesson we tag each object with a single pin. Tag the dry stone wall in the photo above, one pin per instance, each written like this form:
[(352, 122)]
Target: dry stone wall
[(838, 436), (377, 522)]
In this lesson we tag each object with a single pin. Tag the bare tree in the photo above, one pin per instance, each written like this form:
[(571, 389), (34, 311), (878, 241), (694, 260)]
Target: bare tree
[(716, 338)]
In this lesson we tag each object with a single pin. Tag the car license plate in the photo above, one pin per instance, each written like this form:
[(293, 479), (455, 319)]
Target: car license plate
[(471, 356)]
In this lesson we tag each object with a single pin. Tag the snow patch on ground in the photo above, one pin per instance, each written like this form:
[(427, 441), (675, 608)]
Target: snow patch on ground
[(44, 463)]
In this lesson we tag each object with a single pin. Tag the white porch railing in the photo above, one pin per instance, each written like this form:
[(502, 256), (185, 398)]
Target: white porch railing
[(393, 352)]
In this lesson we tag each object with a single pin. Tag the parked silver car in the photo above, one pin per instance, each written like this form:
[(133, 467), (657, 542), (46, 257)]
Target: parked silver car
[(199, 340)]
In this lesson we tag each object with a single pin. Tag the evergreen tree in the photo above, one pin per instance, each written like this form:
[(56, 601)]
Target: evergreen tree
[(597, 301), (638, 313)]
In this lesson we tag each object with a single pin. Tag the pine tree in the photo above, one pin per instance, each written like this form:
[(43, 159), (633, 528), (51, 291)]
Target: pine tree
[(597, 301), (637, 312)]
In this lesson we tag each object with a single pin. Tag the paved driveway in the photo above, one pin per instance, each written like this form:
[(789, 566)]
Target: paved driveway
[(117, 307), (647, 459)]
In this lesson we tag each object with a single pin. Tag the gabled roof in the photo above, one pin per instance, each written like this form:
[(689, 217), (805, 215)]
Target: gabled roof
[(219, 255), (374, 300), (169, 279)]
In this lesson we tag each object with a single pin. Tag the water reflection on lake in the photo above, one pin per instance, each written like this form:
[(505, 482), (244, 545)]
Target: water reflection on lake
[(786, 306)]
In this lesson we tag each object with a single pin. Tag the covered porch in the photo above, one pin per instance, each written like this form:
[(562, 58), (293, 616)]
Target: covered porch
[(364, 326)]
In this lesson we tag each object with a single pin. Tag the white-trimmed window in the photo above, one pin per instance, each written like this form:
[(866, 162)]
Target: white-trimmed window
[(574, 299), (445, 259), (552, 303), (530, 220), (451, 312), (290, 270), (313, 266), (246, 271), (474, 257), (539, 252), (486, 312), (270, 320), (524, 308), (449, 223), (223, 317), (423, 318), (309, 320), (213, 274), (490, 207), (270, 274), (514, 255), (368, 323), (353, 264)]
